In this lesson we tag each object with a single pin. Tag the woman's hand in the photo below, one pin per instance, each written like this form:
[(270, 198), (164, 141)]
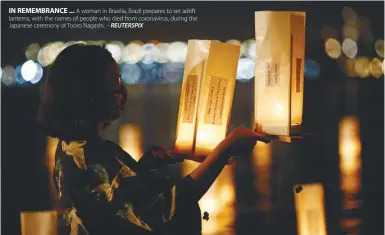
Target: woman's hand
[(241, 141)]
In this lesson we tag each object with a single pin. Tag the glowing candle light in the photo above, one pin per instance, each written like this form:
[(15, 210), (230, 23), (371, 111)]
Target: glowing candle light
[(38, 222), (310, 210), (206, 95), (130, 138), (279, 71)]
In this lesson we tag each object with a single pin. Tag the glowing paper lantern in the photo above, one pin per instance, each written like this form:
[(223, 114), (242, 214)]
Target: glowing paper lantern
[(38, 222), (279, 72), (310, 210), (206, 96)]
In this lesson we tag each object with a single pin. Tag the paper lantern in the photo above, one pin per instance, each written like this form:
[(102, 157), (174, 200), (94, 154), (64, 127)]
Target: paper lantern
[(279, 72), (309, 206), (38, 223), (206, 96)]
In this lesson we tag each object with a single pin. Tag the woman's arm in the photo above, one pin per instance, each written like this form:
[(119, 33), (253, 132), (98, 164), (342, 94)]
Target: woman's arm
[(240, 141)]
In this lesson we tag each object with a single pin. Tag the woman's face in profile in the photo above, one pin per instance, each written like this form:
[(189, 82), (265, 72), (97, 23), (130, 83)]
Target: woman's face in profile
[(114, 83)]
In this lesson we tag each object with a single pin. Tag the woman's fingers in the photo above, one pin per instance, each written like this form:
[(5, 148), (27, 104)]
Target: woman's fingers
[(262, 137)]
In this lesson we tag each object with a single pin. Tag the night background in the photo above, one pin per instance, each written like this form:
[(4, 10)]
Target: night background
[(344, 88)]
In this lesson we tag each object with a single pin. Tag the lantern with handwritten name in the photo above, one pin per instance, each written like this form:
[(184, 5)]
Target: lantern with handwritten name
[(279, 72), (206, 95), (310, 210)]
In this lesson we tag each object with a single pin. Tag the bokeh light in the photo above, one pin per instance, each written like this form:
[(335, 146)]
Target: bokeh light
[(150, 52), (312, 69), (350, 31), (172, 72), (362, 67), (130, 73), (234, 42), (333, 48), (379, 47), (245, 70), (132, 53), (28, 70), (32, 51), (349, 47), (115, 48), (177, 52), (363, 25), (19, 78), (349, 69), (329, 32), (161, 56), (349, 15), (8, 77), (39, 74), (376, 68), (245, 48)]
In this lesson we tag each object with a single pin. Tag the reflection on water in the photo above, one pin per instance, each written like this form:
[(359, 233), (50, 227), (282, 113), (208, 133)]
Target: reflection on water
[(38, 223), (350, 172), (219, 202), (130, 139), (262, 162), (51, 146), (310, 210)]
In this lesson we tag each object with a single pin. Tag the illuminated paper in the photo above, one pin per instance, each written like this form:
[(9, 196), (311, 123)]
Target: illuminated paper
[(38, 223), (279, 71), (310, 210), (206, 95)]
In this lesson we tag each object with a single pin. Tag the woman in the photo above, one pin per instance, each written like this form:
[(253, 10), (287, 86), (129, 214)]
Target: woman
[(101, 188)]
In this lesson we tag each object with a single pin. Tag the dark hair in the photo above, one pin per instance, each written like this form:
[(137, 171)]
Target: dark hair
[(79, 93)]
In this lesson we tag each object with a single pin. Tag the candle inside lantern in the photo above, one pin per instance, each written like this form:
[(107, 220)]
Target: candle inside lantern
[(310, 210), (279, 71), (206, 96)]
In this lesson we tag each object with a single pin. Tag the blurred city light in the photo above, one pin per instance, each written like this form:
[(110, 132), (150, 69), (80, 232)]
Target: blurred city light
[(333, 48), (177, 52), (245, 70), (32, 51), (29, 70), (349, 68), (172, 72), (329, 32), (132, 53), (247, 47), (116, 51), (350, 31), (130, 73), (362, 67), (8, 77), (376, 68), (234, 42), (150, 52), (349, 47), (161, 56), (39, 74), (349, 16), (312, 69), (379, 47)]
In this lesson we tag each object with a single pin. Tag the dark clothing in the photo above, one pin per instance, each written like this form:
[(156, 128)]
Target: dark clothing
[(104, 191)]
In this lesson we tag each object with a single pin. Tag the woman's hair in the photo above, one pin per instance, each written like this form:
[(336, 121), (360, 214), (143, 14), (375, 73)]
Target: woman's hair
[(81, 92)]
